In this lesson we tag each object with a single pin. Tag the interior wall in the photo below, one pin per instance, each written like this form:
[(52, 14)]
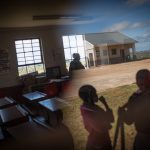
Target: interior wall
[(51, 39)]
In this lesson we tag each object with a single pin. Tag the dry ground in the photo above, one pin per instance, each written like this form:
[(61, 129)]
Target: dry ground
[(115, 97), (108, 76), (114, 82)]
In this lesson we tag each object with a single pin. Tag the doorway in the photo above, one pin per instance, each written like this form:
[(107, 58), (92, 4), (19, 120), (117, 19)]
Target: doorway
[(91, 60), (122, 54)]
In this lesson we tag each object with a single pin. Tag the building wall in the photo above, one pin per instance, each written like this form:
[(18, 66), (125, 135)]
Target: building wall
[(52, 44), (118, 48), (109, 58)]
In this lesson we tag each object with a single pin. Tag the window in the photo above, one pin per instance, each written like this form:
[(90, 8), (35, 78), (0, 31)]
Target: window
[(104, 52), (29, 56), (97, 53), (73, 44), (114, 51)]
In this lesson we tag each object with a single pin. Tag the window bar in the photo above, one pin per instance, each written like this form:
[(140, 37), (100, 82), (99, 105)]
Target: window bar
[(24, 56), (33, 55)]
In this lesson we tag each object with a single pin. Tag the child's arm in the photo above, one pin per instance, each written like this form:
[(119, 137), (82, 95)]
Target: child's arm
[(102, 99), (109, 112)]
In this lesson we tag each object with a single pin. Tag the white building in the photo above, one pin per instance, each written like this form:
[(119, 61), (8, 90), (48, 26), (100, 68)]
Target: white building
[(108, 48)]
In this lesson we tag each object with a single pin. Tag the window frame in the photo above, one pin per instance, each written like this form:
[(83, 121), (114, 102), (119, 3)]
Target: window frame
[(71, 47), (114, 51), (32, 51)]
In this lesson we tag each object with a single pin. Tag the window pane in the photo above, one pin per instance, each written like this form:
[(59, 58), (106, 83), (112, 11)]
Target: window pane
[(26, 41), (39, 68), (35, 40), (31, 68), (21, 59), (72, 41), (65, 41), (35, 44), (36, 53), (21, 63), (29, 58), (36, 48), (83, 61), (27, 45), (73, 50), (37, 57), (19, 46), (67, 53), (37, 60), (29, 49), (22, 70), (19, 50), (18, 42), (81, 52), (29, 54), (20, 55), (79, 40), (29, 62)]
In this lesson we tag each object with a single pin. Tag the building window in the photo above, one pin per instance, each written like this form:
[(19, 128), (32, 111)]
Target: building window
[(97, 53), (73, 44), (114, 51), (104, 52), (29, 56)]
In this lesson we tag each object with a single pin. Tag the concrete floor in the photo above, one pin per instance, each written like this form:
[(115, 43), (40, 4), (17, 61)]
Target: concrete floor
[(105, 77)]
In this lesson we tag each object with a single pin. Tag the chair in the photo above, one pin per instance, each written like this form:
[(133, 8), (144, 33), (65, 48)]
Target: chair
[(53, 72)]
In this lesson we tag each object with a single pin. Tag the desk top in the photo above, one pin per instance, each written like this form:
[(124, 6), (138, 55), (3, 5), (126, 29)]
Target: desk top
[(12, 113), (4, 102), (54, 104), (34, 95)]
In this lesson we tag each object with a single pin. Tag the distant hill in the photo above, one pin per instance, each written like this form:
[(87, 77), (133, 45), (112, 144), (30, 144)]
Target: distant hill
[(143, 51), (142, 54)]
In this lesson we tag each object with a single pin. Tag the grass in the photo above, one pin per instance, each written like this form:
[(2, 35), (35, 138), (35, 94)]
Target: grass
[(115, 97)]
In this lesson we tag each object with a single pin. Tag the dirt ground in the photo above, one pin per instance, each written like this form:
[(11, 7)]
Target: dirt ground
[(106, 77)]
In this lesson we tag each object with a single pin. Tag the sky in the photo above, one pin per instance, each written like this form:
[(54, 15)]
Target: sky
[(131, 17)]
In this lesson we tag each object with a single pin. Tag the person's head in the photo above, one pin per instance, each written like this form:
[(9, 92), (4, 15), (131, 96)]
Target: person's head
[(76, 56), (88, 94), (143, 79)]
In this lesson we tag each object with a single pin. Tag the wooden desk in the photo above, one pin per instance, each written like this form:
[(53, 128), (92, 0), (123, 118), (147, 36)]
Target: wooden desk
[(13, 115), (6, 102), (53, 108), (53, 104), (34, 96)]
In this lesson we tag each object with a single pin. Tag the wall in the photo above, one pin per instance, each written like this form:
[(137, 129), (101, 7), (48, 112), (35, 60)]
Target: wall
[(51, 38), (118, 47)]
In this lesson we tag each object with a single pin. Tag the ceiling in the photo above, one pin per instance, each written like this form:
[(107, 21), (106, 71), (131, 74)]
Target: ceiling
[(23, 13)]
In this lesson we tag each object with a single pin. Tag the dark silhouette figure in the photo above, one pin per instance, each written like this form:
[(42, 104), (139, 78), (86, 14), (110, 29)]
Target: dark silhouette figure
[(137, 111), (75, 64), (97, 121)]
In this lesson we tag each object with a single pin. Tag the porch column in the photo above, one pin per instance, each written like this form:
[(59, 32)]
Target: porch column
[(133, 51)]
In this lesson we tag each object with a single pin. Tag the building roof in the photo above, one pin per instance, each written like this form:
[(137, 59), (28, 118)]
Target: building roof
[(110, 38)]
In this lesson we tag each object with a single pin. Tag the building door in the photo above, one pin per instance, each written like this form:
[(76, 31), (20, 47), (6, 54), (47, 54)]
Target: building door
[(122, 54), (98, 57), (91, 60)]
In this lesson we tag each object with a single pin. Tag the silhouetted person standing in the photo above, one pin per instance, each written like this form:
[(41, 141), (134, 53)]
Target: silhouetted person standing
[(137, 111), (96, 120), (75, 64)]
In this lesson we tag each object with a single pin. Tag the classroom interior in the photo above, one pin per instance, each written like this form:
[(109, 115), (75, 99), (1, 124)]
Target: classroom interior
[(33, 73)]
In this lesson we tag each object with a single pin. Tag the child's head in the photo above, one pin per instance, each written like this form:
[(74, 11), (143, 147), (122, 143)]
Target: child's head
[(143, 79), (76, 56), (88, 94)]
